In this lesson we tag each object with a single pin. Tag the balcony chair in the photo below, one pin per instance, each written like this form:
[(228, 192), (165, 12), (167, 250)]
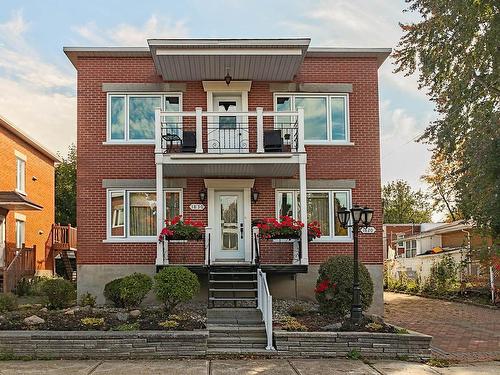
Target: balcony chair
[(273, 142), (188, 141)]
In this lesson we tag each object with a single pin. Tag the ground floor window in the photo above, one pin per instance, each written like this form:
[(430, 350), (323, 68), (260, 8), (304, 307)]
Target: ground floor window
[(132, 213), (410, 248), (20, 233), (322, 206)]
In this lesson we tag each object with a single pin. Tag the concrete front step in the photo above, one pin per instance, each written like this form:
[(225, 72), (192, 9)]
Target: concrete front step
[(243, 351), (237, 340)]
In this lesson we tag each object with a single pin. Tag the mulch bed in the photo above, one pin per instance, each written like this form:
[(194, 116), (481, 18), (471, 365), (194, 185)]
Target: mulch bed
[(186, 318)]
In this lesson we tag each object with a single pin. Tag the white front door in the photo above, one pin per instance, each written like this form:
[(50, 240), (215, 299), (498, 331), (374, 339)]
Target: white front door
[(229, 231), (228, 134), (2, 241)]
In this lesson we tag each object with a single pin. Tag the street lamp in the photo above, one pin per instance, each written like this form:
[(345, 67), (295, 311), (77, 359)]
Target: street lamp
[(360, 216)]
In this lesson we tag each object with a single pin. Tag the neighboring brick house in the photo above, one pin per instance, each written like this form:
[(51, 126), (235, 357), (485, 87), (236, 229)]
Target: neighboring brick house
[(26, 196), (395, 232), (265, 119)]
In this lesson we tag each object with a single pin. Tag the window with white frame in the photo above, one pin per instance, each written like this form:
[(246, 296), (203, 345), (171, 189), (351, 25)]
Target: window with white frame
[(410, 248), (131, 117), (322, 206), (132, 213), (20, 174), (20, 233), (326, 116)]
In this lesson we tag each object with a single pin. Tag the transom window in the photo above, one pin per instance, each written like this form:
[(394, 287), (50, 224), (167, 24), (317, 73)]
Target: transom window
[(326, 117), (322, 206), (132, 213), (131, 117)]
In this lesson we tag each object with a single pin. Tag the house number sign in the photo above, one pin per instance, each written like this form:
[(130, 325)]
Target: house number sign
[(367, 230), (197, 207)]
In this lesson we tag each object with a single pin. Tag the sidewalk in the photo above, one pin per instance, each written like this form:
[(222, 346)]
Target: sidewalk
[(247, 367)]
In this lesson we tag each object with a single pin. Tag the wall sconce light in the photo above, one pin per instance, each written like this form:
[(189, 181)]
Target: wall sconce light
[(228, 77), (255, 195), (203, 195), (34, 178)]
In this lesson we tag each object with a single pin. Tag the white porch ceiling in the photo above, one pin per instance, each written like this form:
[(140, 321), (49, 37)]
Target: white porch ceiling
[(245, 59)]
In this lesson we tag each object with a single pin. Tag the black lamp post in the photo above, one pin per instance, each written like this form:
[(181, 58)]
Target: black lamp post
[(360, 216)]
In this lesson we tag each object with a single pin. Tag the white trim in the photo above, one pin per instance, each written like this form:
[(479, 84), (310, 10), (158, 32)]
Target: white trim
[(230, 52), (20, 217), (20, 155), (329, 125), (127, 95), (219, 183), (222, 86)]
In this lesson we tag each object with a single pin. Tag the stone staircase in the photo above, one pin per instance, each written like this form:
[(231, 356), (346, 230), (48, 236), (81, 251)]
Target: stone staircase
[(236, 331), (232, 286)]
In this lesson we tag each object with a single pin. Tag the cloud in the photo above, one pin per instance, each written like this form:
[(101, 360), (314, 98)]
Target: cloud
[(130, 35), (31, 88)]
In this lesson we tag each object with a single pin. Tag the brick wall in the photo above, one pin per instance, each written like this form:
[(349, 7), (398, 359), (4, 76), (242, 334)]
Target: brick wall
[(38, 223), (97, 161)]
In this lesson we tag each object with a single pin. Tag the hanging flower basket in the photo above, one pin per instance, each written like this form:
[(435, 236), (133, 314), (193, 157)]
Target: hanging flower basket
[(179, 229), (286, 228)]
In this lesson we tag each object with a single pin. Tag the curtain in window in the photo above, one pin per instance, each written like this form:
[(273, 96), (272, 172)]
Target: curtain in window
[(318, 209), (142, 214)]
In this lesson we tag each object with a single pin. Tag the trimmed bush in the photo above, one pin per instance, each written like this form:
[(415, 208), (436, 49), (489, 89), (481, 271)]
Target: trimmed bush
[(112, 292), (59, 293), (133, 288), (174, 285), (87, 299), (8, 302), (334, 286)]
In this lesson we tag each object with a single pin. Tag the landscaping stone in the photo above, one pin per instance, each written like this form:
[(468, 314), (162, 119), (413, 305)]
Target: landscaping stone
[(122, 316), (33, 320), (135, 314), (44, 310), (333, 327)]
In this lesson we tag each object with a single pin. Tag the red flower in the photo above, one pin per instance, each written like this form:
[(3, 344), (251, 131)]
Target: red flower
[(324, 286)]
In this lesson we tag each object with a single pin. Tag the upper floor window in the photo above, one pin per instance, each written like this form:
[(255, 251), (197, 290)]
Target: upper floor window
[(322, 206), (411, 248), (326, 117), (131, 117), (21, 174)]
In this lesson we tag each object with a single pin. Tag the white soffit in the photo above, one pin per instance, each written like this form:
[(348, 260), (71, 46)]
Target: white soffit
[(244, 59)]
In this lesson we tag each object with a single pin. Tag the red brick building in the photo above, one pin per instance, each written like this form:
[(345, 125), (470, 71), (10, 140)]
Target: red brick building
[(26, 197), (225, 132)]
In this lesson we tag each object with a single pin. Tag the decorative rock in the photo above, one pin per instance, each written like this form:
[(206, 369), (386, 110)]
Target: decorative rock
[(71, 310), (332, 327), (135, 313), (122, 316), (44, 310), (33, 320)]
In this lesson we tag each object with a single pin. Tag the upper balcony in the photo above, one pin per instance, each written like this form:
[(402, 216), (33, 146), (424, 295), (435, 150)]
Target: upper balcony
[(230, 143)]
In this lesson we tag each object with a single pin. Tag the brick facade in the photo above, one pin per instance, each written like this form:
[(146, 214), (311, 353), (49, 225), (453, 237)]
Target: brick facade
[(360, 162), (39, 190)]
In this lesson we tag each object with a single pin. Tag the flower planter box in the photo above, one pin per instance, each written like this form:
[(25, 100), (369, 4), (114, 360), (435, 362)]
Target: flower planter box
[(102, 345), (413, 346)]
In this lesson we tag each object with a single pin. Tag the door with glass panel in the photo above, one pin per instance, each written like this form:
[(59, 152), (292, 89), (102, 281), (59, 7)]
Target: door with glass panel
[(229, 238), (228, 133)]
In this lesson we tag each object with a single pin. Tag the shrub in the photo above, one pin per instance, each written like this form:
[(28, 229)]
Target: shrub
[(443, 276), (23, 287), (112, 292), (297, 310), (8, 302), (133, 289), (87, 299), (174, 285), (334, 286), (290, 323), (92, 321), (59, 293), (169, 324)]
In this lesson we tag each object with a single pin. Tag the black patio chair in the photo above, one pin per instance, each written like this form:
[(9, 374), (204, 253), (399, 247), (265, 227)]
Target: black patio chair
[(188, 141), (273, 142)]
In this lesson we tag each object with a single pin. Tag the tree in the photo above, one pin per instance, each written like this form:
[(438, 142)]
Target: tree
[(441, 187), (66, 188), (401, 205), (455, 50)]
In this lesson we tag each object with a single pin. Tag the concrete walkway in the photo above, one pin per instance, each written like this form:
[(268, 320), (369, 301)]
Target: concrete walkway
[(461, 332), (246, 367)]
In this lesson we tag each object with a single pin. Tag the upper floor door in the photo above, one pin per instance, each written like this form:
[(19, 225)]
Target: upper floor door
[(228, 133)]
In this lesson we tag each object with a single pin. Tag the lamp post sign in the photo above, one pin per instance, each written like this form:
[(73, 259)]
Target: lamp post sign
[(367, 230)]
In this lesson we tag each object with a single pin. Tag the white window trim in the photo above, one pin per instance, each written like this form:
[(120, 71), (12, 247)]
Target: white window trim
[(126, 238), (21, 219), (20, 157), (327, 96), (323, 239), (126, 96)]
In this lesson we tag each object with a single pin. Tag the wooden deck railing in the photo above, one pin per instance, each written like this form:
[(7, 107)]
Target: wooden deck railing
[(23, 265), (64, 237)]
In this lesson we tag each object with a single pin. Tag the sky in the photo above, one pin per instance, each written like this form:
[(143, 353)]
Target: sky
[(38, 83)]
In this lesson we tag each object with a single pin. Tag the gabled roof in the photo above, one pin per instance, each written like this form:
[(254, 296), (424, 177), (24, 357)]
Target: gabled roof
[(6, 124)]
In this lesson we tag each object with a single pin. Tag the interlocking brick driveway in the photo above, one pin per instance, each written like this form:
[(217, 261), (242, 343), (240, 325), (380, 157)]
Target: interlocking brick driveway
[(460, 331)]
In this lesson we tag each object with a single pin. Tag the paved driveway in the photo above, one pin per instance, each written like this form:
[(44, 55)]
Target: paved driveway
[(460, 331), (237, 367)]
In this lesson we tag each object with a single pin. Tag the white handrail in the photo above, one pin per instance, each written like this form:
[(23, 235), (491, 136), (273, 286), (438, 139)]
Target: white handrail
[(265, 305)]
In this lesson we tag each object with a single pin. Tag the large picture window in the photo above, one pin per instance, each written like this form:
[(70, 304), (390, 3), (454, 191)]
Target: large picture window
[(131, 117), (326, 117), (132, 213), (322, 206)]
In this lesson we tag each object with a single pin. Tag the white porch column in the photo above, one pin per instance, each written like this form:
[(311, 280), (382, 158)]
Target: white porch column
[(300, 130), (199, 131), (260, 129), (157, 131), (161, 252), (303, 213)]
